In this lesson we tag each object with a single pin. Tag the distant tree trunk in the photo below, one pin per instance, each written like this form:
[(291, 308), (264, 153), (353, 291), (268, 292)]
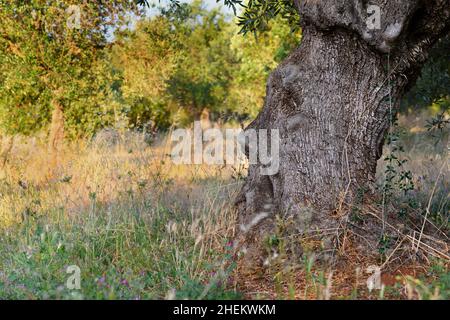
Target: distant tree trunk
[(205, 120), (6, 147), (56, 133), (331, 102)]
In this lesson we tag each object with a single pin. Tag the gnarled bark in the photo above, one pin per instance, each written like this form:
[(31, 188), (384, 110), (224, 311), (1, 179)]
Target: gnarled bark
[(331, 100)]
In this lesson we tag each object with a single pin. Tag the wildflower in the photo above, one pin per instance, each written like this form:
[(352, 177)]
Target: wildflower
[(102, 280)]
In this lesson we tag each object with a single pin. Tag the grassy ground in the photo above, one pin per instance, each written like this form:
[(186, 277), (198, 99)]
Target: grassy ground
[(139, 227), (135, 225)]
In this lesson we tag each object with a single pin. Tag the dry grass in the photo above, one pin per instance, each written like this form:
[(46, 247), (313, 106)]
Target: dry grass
[(141, 227), (185, 210), (108, 173)]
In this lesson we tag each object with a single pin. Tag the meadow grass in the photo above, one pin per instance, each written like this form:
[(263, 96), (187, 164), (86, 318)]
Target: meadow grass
[(140, 227), (136, 226)]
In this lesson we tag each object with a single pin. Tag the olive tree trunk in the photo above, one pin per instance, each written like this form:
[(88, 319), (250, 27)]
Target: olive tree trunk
[(6, 146), (56, 133), (331, 101)]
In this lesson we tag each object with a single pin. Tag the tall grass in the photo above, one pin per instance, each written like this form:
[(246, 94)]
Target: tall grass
[(140, 227), (136, 225)]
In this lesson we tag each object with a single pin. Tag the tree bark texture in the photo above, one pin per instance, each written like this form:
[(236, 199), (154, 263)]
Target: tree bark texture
[(331, 101)]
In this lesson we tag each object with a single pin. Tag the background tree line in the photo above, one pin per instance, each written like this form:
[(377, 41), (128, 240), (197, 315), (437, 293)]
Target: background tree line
[(153, 72)]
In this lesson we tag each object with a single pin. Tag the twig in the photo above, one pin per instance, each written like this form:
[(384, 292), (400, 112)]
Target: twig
[(434, 252), (392, 253), (429, 204)]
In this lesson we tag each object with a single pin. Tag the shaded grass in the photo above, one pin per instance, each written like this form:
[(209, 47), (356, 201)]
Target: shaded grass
[(120, 254)]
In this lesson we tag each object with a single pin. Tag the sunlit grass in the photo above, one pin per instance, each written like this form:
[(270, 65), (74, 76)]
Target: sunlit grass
[(135, 224)]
